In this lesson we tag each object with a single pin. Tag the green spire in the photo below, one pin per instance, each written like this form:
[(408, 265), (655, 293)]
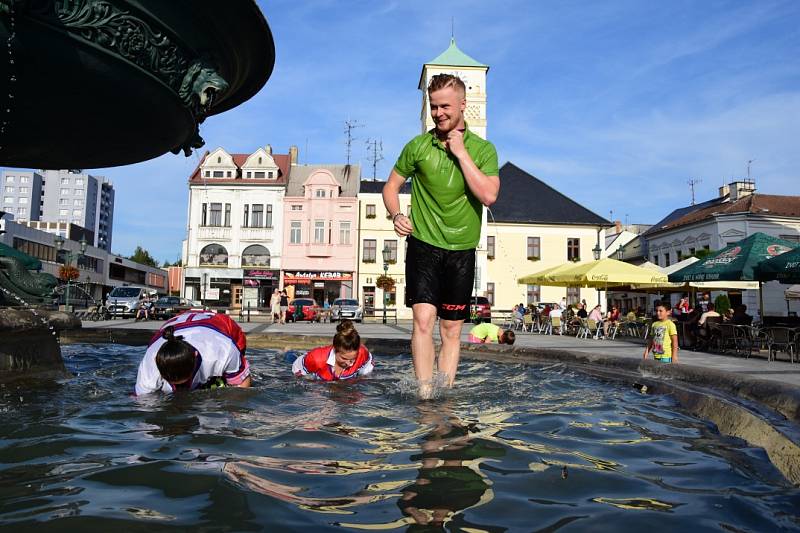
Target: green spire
[(454, 57)]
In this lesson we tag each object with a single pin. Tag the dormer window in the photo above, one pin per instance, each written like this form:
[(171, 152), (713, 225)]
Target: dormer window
[(208, 173), (259, 160), (258, 175), (269, 175), (319, 193), (218, 174), (219, 159)]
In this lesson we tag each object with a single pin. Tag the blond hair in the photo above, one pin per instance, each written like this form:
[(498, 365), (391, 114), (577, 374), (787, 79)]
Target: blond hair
[(440, 81)]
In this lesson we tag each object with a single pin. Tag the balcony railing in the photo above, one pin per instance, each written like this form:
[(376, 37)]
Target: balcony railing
[(214, 233), (256, 234)]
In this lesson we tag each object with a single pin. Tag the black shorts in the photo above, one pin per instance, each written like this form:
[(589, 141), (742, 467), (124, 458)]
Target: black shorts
[(440, 277)]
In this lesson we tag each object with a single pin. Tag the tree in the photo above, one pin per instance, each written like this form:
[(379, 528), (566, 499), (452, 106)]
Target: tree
[(143, 257)]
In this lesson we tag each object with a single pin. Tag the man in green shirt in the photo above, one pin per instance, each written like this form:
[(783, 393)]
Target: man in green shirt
[(454, 172)]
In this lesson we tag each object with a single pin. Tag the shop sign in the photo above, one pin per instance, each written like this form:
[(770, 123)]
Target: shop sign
[(212, 294), (260, 274), (320, 284), (292, 277)]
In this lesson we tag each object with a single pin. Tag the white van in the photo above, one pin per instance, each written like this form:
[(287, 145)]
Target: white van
[(125, 301)]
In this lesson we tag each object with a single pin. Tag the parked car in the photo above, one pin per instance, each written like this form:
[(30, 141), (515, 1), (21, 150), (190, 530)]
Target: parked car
[(309, 307), (126, 301), (346, 308), (169, 306), (480, 309)]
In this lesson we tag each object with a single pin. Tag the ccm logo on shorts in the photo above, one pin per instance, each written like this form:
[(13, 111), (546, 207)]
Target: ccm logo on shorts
[(453, 307)]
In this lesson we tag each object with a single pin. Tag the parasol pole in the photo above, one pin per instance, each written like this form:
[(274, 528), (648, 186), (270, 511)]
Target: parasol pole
[(761, 300)]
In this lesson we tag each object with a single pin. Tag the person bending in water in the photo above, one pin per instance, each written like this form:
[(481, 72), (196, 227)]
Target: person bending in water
[(346, 358), (488, 332), (193, 351)]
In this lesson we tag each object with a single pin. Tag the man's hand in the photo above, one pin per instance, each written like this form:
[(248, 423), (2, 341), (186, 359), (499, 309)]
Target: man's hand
[(455, 143), (402, 225)]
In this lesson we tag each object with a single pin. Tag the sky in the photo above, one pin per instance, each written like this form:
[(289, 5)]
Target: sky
[(616, 104)]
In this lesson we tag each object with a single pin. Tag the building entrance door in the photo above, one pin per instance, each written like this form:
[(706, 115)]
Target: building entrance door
[(369, 300), (236, 299)]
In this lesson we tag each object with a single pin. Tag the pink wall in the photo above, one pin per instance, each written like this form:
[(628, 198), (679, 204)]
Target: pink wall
[(332, 209)]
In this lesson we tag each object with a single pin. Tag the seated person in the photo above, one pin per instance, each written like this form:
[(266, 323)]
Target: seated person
[(519, 315), (488, 333), (557, 312), (192, 351), (580, 314), (740, 316), (144, 309), (612, 317), (702, 323), (346, 358)]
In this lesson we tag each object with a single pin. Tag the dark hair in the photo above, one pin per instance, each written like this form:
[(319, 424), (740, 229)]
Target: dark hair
[(662, 303), (175, 358), (347, 338), (509, 337), (440, 81)]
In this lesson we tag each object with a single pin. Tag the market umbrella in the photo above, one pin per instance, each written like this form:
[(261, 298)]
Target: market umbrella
[(705, 285), (784, 268), (736, 262), (607, 272), (542, 277)]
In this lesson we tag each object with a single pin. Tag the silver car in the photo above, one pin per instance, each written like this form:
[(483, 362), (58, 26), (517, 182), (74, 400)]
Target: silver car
[(346, 308)]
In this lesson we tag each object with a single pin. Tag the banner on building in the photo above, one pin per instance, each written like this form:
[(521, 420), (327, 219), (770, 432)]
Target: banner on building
[(258, 273), (305, 278)]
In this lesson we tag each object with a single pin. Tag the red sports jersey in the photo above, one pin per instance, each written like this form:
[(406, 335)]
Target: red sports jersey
[(319, 363)]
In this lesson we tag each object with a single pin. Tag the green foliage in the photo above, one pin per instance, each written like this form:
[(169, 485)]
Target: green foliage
[(722, 304), (143, 257), (177, 263), (703, 253)]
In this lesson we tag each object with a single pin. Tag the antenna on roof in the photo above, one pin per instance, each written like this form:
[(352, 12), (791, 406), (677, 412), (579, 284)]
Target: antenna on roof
[(692, 182), (452, 28), (349, 126), (749, 162), (375, 147)]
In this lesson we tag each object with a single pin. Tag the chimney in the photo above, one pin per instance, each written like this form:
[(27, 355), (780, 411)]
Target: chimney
[(741, 188), (618, 226), (293, 155), (268, 149), (724, 191)]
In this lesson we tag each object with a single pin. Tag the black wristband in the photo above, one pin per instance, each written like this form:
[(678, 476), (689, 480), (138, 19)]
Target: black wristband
[(396, 215)]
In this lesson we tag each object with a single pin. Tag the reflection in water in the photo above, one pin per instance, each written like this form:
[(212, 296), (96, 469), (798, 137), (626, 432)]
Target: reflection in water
[(512, 448)]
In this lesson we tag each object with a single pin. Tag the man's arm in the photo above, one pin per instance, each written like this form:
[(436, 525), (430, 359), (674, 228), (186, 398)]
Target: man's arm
[(391, 199), (484, 188)]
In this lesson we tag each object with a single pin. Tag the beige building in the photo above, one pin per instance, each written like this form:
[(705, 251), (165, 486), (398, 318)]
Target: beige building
[(533, 227)]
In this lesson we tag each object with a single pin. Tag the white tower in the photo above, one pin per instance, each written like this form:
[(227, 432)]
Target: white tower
[(473, 74)]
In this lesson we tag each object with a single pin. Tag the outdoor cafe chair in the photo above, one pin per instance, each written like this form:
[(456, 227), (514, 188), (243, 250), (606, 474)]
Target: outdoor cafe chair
[(743, 339), (781, 339), (527, 323), (555, 324)]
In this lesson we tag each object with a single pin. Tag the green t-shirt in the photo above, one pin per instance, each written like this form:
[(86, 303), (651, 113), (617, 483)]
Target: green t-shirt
[(444, 211), (663, 330), (487, 331)]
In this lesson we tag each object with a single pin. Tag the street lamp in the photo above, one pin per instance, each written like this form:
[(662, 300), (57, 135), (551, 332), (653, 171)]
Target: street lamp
[(387, 255), (596, 251), (620, 253), (68, 257)]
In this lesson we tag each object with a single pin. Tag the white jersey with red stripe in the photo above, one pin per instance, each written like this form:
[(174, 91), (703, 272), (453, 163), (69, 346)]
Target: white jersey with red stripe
[(219, 342)]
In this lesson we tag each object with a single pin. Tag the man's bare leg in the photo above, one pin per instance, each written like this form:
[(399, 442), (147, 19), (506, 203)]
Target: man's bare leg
[(450, 330), (422, 351)]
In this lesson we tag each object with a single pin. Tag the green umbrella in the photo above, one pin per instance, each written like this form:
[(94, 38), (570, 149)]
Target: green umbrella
[(784, 268), (735, 262)]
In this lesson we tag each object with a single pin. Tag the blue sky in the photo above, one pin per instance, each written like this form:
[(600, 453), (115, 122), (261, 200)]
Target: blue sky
[(617, 104)]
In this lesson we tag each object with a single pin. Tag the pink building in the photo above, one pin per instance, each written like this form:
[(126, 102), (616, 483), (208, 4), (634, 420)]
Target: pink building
[(320, 213)]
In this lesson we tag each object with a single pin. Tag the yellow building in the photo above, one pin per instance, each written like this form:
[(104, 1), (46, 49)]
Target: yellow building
[(376, 232), (533, 227)]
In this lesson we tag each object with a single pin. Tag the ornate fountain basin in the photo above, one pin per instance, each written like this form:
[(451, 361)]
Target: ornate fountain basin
[(98, 83)]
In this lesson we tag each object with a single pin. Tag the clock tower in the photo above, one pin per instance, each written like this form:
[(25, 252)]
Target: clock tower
[(472, 73)]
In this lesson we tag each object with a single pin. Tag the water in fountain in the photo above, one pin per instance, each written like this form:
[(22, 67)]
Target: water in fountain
[(33, 311)]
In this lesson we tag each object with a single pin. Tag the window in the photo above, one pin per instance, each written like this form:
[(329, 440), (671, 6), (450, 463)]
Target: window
[(268, 221), (9, 199), (655, 260), (216, 214), (214, 254), (228, 174), (23, 190), (573, 249), (78, 192), (208, 173), (534, 248), (534, 294), (9, 179), (666, 259), (258, 216), (258, 175), (319, 231), (63, 212), (249, 174), (490, 247), (344, 232), (679, 255), (691, 251), (370, 250), (76, 212), (319, 193), (218, 174), (255, 255), (78, 201), (64, 192), (370, 210), (490, 293), (392, 246), (246, 217), (707, 248), (295, 234), (10, 190), (573, 295), (24, 179), (203, 219), (22, 211), (63, 201), (793, 238), (64, 181), (297, 207), (227, 215), (78, 181), (270, 174)]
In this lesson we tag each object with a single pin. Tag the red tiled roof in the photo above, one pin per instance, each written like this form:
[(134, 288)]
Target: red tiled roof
[(282, 160), (757, 204)]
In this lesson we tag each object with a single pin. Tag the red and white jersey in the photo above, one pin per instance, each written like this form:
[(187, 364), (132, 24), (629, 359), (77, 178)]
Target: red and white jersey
[(319, 364), (219, 341)]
